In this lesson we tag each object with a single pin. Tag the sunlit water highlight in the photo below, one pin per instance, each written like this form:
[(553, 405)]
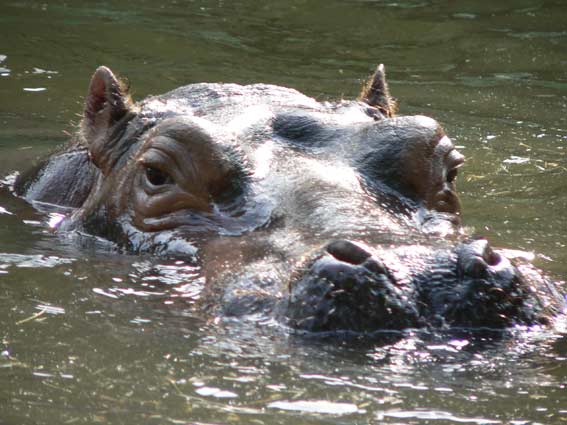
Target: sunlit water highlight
[(92, 336)]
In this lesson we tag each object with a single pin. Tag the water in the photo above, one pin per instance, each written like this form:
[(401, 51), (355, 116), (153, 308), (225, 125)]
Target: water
[(88, 336)]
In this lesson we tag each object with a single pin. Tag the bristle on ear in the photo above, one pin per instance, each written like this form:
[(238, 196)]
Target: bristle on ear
[(377, 94)]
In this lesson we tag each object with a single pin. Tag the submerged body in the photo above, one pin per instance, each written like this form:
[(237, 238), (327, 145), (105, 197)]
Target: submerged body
[(328, 216)]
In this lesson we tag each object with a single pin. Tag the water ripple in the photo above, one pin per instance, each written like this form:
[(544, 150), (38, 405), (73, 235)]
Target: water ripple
[(31, 261), (434, 415)]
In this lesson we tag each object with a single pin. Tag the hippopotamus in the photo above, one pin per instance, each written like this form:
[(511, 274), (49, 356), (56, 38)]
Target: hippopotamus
[(326, 216)]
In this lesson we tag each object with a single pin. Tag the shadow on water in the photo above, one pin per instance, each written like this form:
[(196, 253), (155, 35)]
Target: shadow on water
[(91, 336)]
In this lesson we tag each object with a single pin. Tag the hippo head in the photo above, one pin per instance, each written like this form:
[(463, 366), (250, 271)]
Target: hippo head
[(330, 216)]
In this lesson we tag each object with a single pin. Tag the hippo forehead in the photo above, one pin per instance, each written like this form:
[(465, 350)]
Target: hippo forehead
[(222, 102)]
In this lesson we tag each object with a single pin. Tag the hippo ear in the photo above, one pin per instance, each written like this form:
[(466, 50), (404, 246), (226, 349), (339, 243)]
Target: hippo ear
[(377, 94), (107, 104)]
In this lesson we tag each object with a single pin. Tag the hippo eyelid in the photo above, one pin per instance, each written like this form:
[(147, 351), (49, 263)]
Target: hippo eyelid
[(454, 160), (157, 159)]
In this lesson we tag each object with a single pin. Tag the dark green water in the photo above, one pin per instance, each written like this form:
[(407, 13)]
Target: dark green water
[(94, 337)]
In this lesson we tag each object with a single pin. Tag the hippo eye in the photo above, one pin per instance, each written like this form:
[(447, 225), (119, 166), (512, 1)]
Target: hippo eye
[(157, 177), (452, 175)]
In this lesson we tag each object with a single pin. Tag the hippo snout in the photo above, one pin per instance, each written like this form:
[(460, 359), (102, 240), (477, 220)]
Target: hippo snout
[(349, 288), (490, 291)]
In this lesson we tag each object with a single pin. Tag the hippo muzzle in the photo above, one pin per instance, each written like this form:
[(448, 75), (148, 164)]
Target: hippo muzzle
[(353, 287)]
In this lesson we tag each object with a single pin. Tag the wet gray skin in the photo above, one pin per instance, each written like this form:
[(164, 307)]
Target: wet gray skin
[(328, 216)]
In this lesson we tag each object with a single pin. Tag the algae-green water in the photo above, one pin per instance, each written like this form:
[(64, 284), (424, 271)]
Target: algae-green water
[(91, 336)]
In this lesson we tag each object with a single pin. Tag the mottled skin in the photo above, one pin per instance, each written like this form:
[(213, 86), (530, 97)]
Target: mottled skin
[(328, 216)]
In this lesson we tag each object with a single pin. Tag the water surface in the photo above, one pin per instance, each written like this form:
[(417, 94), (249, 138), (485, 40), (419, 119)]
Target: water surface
[(89, 336)]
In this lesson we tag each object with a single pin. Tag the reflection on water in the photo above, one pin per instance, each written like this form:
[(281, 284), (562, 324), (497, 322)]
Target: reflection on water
[(30, 261), (90, 336)]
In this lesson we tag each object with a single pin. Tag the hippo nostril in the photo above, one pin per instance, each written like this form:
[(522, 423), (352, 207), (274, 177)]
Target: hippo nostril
[(375, 266), (478, 258), (348, 252), (476, 268), (492, 258)]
